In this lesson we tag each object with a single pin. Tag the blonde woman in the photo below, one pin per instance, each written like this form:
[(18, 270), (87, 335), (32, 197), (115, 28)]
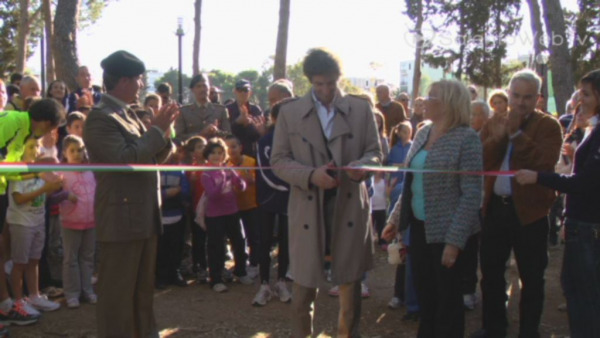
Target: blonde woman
[(441, 209)]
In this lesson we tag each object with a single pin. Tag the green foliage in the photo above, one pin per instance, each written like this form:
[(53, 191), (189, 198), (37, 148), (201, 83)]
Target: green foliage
[(295, 73), (9, 26), (586, 44), (171, 77), (9, 23), (91, 11), (223, 80), (347, 87), (481, 28)]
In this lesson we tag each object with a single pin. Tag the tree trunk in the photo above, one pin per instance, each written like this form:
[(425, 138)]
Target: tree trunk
[(282, 40), (198, 28), (65, 41), (463, 38), (47, 11), (560, 56), (418, 52), (22, 35), (535, 18)]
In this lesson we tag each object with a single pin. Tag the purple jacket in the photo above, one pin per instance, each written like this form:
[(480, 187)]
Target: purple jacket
[(219, 188)]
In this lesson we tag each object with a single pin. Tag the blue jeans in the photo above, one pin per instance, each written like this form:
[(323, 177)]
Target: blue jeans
[(581, 277)]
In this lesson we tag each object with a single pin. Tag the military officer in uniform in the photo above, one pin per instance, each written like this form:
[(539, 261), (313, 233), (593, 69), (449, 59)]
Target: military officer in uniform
[(202, 117), (127, 204)]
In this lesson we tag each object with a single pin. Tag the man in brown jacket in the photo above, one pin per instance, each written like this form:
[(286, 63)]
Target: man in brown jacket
[(127, 204), (328, 209), (516, 216), (393, 111)]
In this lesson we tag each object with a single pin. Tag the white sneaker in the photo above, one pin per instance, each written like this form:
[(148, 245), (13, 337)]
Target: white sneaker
[(6, 305), (470, 300), (24, 304), (42, 303), (92, 298), (334, 291), (395, 303), (263, 295), (364, 291), (8, 266), (252, 271), (282, 292), (202, 276), (72, 303), (246, 280), (219, 287)]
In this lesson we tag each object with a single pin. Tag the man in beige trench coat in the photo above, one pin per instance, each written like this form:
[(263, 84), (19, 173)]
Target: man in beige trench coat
[(328, 209)]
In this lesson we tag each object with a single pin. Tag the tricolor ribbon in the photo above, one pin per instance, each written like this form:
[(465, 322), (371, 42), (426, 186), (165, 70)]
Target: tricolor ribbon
[(8, 168)]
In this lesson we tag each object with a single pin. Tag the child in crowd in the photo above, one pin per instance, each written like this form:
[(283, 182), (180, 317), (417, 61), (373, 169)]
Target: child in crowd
[(52, 255), (25, 219), (404, 289), (194, 147), (272, 197), (152, 103), (48, 144), (400, 141), (246, 200), (379, 206), (75, 123), (78, 226), (383, 139), (222, 215), (175, 191), (145, 116)]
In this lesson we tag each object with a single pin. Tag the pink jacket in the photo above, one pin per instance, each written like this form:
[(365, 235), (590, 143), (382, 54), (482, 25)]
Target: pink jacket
[(80, 215)]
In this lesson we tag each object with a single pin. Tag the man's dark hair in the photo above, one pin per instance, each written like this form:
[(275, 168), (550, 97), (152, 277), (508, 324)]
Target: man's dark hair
[(320, 61), (74, 116), (15, 77), (593, 79), (164, 88), (198, 79), (110, 81), (230, 137), (47, 110), (12, 89)]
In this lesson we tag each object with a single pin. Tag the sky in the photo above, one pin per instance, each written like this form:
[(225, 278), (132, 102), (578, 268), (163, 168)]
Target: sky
[(241, 34)]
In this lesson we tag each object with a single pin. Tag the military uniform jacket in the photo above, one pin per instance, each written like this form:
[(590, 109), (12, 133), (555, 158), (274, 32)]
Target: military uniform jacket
[(127, 204), (193, 118)]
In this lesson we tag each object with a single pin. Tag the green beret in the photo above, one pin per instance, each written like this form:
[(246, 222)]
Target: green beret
[(123, 64)]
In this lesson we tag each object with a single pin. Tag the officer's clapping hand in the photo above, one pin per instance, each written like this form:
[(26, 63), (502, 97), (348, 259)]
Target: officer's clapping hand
[(165, 117)]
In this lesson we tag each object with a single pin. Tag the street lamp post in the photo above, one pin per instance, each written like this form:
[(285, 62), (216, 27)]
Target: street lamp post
[(542, 60), (180, 34)]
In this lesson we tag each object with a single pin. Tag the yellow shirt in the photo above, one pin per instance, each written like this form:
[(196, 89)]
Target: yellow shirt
[(246, 199)]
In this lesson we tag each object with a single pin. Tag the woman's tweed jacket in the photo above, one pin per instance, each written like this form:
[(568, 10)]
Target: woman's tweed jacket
[(452, 201)]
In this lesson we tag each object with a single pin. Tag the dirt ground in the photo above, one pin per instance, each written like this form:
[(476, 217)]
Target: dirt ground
[(197, 311)]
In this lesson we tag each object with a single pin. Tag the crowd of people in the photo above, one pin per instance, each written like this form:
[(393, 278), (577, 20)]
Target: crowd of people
[(274, 184)]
